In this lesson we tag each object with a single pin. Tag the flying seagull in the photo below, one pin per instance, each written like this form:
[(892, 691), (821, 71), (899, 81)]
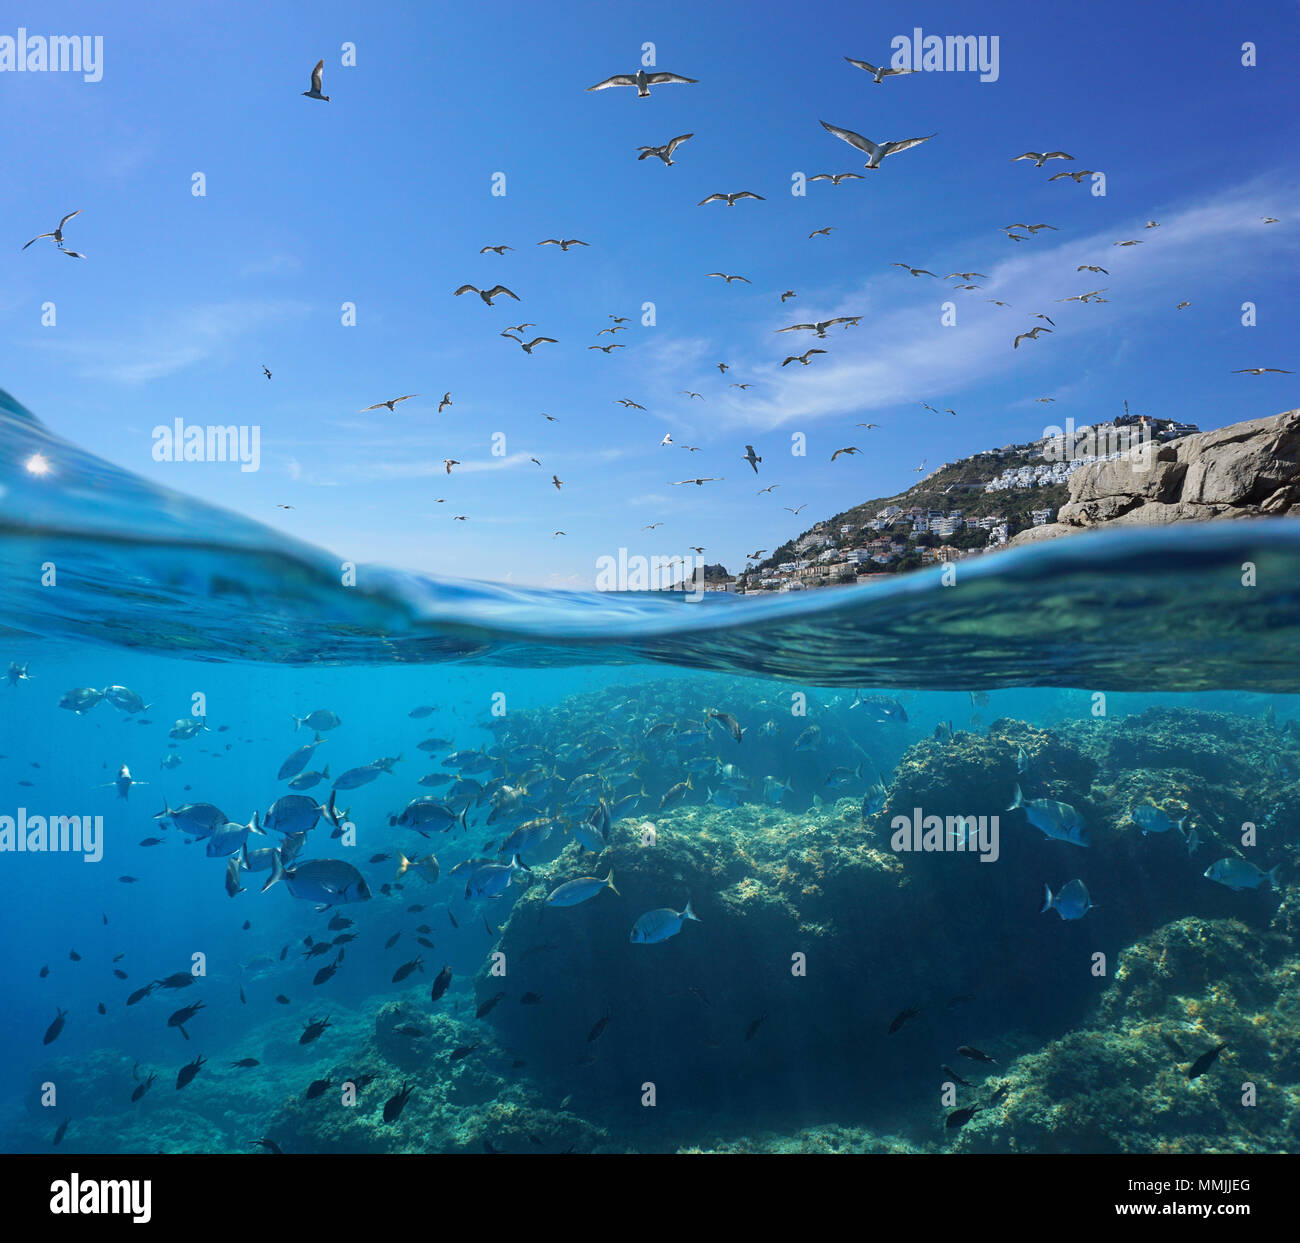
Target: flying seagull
[(877, 151), (729, 279), (550, 418), (1153, 224), (627, 403), (868, 426), (1261, 371), (965, 276), (835, 178), (528, 345), (444, 403), (915, 271), (796, 511), (770, 488), (729, 199), (641, 80), (496, 250), (316, 73), (751, 458), (1181, 305), (265, 371), (789, 293), (57, 234), (563, 244), (667, 440), (517, 328), (852, 449), (878, 73), (742, 387), (1039, 157), (1091, 267), (390, 404), (487, 294), (821, 325), (604, 349), (805, 357), (1130, 242), (1032, 333), (1077, 177), (1032, 228), (687, 393), (615, 328), (665, 152), (557, 481), (826, 232), (698, 482), (723, 367), (449, 462)]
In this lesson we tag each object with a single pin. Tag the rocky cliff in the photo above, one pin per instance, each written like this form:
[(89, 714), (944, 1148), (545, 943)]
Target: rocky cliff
[(1247, 470)]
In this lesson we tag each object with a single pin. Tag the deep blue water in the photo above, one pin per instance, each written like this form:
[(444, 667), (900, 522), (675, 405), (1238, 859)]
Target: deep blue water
[(174, 599)]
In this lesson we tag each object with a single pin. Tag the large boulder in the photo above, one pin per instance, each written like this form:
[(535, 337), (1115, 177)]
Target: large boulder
[(1246, 470)]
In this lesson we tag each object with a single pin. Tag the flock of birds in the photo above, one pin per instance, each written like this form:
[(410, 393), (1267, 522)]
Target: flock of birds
[(876, 153)]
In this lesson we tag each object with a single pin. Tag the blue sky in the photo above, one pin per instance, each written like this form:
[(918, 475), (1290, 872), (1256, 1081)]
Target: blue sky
[(382, 198)]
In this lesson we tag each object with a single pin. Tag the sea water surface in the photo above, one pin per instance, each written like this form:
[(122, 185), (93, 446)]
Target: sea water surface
[(1104, 671)]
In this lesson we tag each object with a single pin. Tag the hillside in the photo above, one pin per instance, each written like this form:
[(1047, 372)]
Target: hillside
[(958, 485)]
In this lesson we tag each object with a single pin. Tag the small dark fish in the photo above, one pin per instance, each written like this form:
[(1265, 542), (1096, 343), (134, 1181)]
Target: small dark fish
[(328, 969), (408, 1029), (181, 979), (61, 1132), (600, 1026), (441, 984), (426, 943), (1002, 1090), (488, 926), (902, 1017), (117, 971), (452, 917), (44, 972), (752, 1030), (245, 1063), (1175, 1047), (243, 1001), (1204, 1062), (139, 994), (954, 1076), (415, 908), (975, 1055), (464, 1051), (74, 955), (183, 1016), (313, 1030), (380, 857), (343, 938), (959, 1117), (317, 1087), (270, 1145), (129, 880), (116, 957), (393, 940), (283, 952), (406, 968), (142, 1088), (338, 923), (152, 841), (282, 999), (103, 1009), (188, 1071), (424, 928), (395, 1104), (52, 1032), (248, 923), (531, 999), (488, 1005)]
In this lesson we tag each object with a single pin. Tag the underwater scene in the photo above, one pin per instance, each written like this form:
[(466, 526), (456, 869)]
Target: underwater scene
[(455, 869), (818, 682)]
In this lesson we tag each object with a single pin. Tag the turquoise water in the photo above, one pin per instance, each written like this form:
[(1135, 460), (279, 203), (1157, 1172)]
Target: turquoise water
[(1124, 667)]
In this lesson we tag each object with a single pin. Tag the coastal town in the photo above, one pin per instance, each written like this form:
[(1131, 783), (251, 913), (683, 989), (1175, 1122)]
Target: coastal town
[(960, 510)]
